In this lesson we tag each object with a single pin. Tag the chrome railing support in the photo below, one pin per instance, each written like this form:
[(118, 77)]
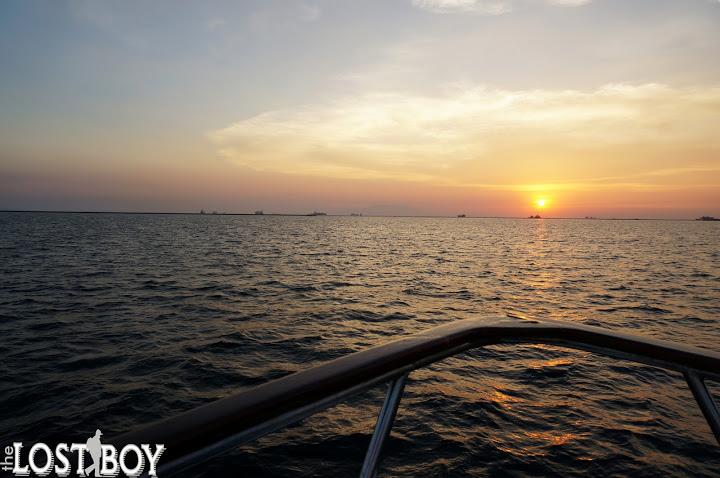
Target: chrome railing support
[(383, 426), (705, 401)]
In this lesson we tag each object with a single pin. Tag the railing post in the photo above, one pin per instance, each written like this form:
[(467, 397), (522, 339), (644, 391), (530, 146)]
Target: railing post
[(383, 426), (705, 401)]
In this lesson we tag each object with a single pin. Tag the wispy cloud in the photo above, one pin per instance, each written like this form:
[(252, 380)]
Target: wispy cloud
[(487, 7), (569, 3), (487, 136)]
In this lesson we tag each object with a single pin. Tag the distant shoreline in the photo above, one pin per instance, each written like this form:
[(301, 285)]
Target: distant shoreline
[(342, 215)]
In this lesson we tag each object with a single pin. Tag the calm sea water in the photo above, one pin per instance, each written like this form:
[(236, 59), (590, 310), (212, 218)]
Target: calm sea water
[(113, 321)]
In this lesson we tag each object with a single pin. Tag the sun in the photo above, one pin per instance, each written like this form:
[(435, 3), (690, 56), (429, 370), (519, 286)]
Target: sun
[(541, 203)]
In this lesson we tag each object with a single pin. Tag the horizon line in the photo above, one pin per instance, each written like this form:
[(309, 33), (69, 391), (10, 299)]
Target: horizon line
[(187, 213)]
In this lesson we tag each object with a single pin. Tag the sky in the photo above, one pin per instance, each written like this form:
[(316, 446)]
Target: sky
[(604, 108)]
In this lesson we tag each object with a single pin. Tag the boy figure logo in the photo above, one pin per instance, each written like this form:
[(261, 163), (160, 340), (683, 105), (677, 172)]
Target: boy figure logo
[(95, 449)]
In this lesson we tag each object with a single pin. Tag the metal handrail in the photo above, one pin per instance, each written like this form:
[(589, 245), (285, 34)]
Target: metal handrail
[(209, 430)]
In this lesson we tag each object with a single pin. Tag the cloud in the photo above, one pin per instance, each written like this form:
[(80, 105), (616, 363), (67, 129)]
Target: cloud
[(486, 7), (569, 3), (481, 136)]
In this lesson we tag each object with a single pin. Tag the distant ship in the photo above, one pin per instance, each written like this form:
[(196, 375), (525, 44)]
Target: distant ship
[(259, 212), (316, 213), (707, 218), (536, 216), (461, 215), (355, 214)]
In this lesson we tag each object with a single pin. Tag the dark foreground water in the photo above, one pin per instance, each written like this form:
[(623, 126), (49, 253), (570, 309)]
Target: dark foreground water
[(113, 321)]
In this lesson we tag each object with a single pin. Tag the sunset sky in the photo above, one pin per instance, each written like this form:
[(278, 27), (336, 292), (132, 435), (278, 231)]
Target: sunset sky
[(607, 108)]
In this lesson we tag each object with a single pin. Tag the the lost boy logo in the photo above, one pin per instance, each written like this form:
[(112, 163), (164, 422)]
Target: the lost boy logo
[(105, 460)]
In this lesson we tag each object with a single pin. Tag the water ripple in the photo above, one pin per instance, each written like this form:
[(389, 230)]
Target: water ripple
[(112, 321)]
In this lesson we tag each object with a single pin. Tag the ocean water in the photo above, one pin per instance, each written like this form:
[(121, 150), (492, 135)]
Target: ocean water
[(112, 321)]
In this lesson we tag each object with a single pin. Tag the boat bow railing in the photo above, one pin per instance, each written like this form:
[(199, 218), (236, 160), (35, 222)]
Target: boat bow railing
[(209, 430)]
